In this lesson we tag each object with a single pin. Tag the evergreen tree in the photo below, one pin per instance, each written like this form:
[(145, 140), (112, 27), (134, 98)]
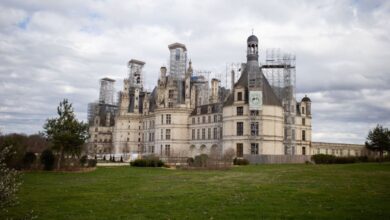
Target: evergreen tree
[(378, 140), (66, 133)]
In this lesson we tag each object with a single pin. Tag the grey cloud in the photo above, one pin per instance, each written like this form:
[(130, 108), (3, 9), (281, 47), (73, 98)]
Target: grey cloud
[(66, 46)]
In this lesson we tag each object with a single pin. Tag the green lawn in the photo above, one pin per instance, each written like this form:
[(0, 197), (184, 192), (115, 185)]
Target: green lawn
[(353, 191)]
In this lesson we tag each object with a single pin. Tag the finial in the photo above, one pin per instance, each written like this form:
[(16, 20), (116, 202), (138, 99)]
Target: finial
[(252, 31)]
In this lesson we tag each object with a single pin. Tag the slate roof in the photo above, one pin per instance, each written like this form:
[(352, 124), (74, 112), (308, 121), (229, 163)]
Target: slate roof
[(269, 97)]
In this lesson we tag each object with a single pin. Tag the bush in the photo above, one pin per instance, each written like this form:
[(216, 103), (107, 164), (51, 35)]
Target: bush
[(83, 160), (47, 159), (190, 161), (201, 160), (331, 159), (240, 161), (323, 158), (28, 159), (92, 162), (147, 162)]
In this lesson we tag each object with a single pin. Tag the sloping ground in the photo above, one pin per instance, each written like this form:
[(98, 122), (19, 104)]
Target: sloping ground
[(355, 191)]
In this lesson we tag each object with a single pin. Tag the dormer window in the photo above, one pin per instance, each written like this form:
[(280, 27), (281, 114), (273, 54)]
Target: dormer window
[(239, 96), (170, 93)]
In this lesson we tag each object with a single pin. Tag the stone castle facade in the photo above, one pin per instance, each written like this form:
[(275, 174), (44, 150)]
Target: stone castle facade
[(186, 115)]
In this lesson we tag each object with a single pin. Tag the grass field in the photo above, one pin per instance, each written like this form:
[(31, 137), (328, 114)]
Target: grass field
[(353, 191)]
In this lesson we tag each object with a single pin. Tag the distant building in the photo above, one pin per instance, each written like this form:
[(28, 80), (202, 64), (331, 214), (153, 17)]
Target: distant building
[(185, 116)]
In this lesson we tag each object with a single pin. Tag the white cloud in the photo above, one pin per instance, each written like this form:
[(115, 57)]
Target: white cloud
[(56, 50)]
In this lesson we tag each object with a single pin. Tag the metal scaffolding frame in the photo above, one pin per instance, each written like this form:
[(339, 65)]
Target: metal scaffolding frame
[(106, 94), (279, 69)]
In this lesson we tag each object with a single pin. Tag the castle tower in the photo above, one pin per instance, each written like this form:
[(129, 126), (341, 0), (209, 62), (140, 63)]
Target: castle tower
[(106, 95), (178, 60), (135, 83)]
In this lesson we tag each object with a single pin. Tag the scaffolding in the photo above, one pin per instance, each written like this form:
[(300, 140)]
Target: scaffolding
[(233, 73), (279, 69), (135, 73), (106, 94)]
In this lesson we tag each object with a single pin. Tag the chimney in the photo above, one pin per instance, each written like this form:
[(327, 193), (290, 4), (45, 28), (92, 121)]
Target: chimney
[(233, 77)]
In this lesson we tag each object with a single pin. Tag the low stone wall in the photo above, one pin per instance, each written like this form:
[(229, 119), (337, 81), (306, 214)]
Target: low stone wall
[(277, 159)]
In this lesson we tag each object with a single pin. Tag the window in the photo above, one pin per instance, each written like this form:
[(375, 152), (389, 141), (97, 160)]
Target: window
[(255, 128), (303, 150), (215, 133), (198, 120), (239, 96), (168, 119), (170, 93), (254, 148), (254, 112), (96, 129), (215, 118), (193, 134), (303, 110), (177, 54), (209, 133), (303, 135), (162, 134), (162, 119), (220, 133), (240, 128), (170, 104), (333, 152), (318, 151), (203, 133), (293, 134), (204, 119), (197, 134), (303, 121), (193, 120), (168, 134), (209, 121), (239, 150), (167, 150), (240, 110)]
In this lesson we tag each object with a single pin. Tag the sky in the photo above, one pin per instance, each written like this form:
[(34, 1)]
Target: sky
[(51, 50)]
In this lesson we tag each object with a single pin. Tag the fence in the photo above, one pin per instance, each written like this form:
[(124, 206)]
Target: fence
[(277, 159)]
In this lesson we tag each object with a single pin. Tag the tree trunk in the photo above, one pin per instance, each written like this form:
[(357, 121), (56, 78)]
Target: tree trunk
[(381, 156), (60, 158)]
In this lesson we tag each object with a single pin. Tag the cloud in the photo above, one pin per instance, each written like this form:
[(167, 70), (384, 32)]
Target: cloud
[(56, 50)]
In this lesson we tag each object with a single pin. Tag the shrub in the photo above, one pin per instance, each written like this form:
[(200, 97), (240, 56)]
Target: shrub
[(92, 163), (83, 160), (28, 159), (104, 157), (47, 159), (240, 161), (201, 160), (323, 158), (190, 161), (147, 162)]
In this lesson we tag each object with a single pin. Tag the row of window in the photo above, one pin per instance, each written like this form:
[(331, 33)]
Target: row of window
[(168, 119), (216, 118), (254, 128), (336, 152), (287, 134), (203, 137), (167, 134), (240, 149)]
